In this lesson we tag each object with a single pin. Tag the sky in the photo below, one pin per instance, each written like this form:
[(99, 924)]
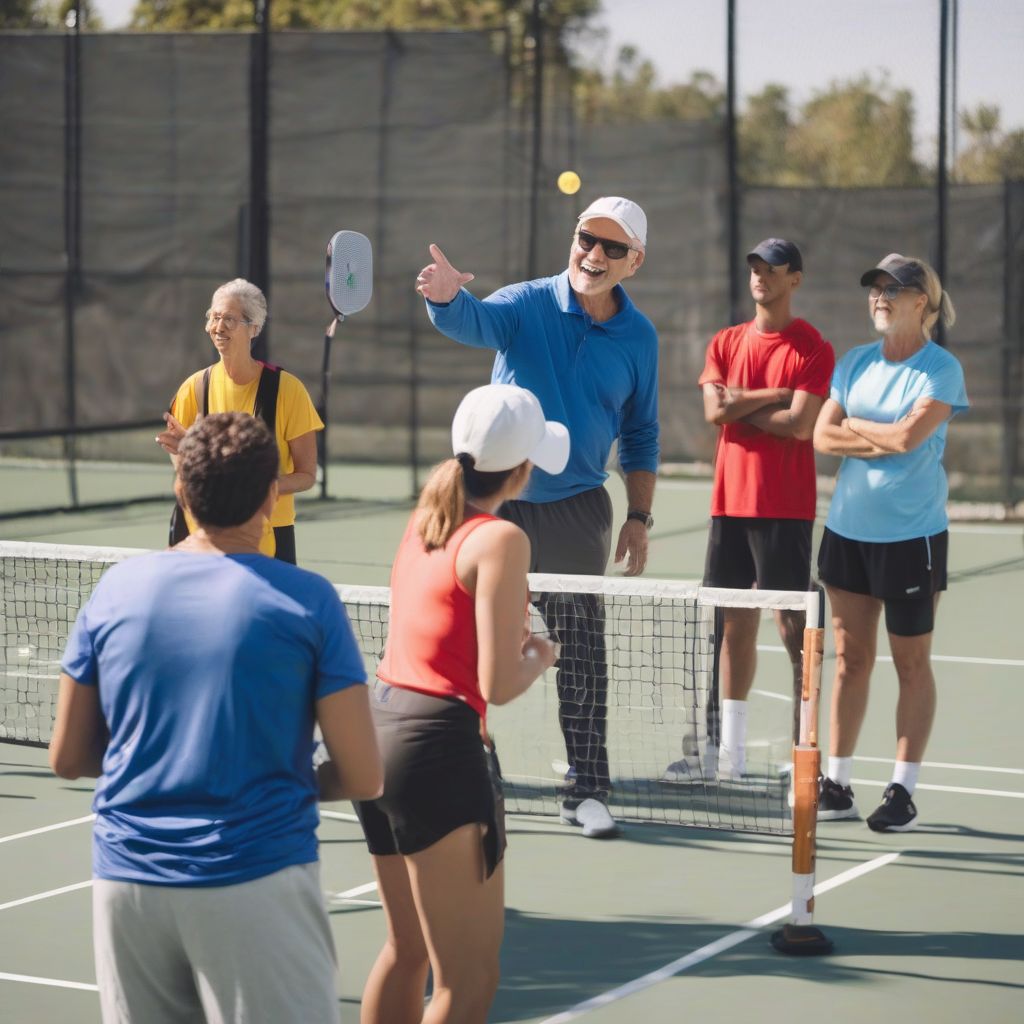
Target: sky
[(806, 44)]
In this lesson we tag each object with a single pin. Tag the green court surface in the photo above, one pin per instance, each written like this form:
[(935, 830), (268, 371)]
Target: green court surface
[(666, 923)]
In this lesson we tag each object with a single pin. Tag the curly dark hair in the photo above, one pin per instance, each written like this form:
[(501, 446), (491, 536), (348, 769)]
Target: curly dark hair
[(226, 463)]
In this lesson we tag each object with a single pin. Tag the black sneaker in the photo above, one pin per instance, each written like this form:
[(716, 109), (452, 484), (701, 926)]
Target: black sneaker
[(896, 813), (835, 802)]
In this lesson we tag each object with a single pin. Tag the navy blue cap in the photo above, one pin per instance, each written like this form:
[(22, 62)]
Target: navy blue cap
[(776, 252), (908, 272)]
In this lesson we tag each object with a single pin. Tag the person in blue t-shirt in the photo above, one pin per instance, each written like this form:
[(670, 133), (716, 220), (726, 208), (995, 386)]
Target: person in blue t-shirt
[(580, 345), (190, 687), (886, 537)]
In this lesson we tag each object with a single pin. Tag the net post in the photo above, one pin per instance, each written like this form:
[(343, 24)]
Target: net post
[(800, 936)]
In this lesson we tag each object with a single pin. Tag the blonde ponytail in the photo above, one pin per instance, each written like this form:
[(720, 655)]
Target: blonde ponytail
[(939, 302), (442, 504)]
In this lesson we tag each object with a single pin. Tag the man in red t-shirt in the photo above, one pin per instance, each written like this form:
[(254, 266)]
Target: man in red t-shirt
[(763, 382)]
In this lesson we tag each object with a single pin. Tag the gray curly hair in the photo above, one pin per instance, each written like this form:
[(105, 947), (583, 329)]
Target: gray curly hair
[(252, 300)]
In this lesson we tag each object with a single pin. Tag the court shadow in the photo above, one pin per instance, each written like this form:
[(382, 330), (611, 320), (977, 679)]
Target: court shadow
[(860, 954), (954, 829), (550, 964), (28, 773)]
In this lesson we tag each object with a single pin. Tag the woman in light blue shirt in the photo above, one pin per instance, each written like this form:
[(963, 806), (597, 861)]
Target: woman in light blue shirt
[(886, 537)]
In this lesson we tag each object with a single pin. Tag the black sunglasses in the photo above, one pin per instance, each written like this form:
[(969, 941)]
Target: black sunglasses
[(613, 250), (889, 291)]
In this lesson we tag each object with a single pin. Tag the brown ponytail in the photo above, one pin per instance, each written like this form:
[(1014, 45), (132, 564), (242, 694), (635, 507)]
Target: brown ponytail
[(442, 504)]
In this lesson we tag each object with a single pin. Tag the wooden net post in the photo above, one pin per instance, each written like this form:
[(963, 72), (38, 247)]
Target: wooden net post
[(800, 936)]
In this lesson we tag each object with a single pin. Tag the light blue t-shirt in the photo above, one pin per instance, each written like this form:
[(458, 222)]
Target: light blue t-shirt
[(208, 670), (894, 497), (599, 379)]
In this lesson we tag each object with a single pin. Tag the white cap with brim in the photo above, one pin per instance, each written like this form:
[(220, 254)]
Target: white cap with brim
[(624, 212), (502, 426)]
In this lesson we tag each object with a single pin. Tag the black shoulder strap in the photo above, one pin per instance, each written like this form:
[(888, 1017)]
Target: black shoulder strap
[(266, 396), (202, 392)]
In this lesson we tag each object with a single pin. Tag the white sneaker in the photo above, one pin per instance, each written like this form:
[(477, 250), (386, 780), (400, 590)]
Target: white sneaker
[(689, 771), (593, 816)]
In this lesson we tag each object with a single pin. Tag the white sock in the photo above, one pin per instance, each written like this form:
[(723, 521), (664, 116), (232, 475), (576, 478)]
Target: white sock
[(734, 734), (840, 769), (906, 773)]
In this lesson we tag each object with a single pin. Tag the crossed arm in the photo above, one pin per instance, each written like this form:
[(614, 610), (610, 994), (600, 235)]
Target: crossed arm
[(782, 412), (835, 433)]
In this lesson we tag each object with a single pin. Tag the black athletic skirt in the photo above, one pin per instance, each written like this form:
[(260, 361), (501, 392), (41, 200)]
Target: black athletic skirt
[(438, 776)]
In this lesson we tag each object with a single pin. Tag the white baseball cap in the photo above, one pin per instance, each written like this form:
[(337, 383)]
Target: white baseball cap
[(624, 212), (502, 426)]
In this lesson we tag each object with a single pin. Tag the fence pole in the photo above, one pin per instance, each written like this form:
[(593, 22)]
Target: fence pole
[(537, 30), (259, 118), (731, 158), (72, 225), (941, 182)]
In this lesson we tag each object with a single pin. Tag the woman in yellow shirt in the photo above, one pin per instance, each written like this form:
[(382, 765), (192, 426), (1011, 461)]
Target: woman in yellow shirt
[(236, 316)]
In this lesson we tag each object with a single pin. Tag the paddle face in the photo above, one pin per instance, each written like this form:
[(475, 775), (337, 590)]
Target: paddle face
[(349, 272)]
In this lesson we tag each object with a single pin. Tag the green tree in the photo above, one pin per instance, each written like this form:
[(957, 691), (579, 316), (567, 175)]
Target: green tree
[(631, 92), (990, 154), (855, 133), (183, 15), (762, 131), (42, 14)]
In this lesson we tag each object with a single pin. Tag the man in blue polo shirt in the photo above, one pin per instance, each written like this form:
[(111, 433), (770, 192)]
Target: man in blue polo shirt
[(591, 357)]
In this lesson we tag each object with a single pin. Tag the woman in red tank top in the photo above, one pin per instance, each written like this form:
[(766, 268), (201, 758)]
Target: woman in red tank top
[(457, 641)]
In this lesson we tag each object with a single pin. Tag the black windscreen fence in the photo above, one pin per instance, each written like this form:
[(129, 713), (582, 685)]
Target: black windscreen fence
[(126, 189)]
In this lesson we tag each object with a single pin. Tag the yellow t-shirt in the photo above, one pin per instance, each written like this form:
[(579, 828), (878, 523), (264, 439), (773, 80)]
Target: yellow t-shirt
[(296, 416)]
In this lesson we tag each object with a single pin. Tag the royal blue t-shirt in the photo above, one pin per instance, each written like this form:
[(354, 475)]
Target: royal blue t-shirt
[(902, 496), (208, 669)]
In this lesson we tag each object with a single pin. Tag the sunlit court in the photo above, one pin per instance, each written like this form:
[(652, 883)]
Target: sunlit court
[(765, 266)]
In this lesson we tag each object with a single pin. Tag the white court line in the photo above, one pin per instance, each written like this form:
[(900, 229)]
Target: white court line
[(55, 982), (954, 659), (45, 895), (947, 764), (712, 949), (357, 891), (774, 696), (947, 789), (338, 815), (995, 528), (47, 828), (348, 896)]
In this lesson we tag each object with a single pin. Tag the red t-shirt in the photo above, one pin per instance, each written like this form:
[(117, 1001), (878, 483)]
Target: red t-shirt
[(756, 473), (431, 644)]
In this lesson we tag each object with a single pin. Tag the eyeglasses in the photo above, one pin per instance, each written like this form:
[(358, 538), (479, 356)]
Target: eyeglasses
[(889, 291), (613, 250), (229, 322)]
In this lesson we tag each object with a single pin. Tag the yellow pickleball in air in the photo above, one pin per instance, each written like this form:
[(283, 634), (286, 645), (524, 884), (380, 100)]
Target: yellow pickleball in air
[(569, 182)]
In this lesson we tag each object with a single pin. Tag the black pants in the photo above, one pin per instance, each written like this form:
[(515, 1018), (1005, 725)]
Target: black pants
[(574, 536)]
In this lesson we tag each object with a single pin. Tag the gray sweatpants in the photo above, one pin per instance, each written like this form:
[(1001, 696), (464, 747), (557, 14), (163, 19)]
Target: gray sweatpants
[(259, 952)]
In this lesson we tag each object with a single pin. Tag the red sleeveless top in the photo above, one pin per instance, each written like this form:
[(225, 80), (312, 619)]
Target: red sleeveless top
[(431, 645)]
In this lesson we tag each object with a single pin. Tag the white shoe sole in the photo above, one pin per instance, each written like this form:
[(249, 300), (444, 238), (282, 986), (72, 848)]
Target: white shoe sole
[(850, 814)]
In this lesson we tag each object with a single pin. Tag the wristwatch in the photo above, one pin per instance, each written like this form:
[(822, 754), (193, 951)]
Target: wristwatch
[(641, 517)]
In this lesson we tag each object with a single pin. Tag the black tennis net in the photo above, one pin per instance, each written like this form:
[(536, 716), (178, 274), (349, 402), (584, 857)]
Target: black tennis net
[(637, 679)]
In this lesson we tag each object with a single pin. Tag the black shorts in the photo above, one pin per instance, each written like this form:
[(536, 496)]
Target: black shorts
[(284, 543), (438, 776), (773, 553), (906, 575)]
